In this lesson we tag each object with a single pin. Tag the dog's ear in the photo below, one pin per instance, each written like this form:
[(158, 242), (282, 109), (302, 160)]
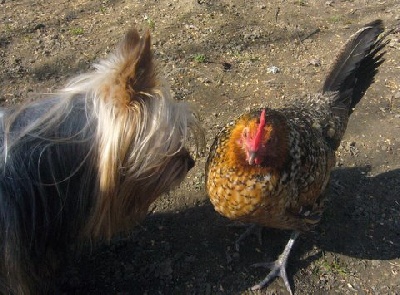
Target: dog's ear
[(137, 71)]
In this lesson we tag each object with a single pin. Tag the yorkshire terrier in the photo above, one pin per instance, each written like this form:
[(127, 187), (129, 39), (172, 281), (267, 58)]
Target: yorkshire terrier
[(86, 163)]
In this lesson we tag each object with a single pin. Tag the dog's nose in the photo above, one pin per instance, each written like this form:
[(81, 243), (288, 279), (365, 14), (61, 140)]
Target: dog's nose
[(190, 162), (188, 159)]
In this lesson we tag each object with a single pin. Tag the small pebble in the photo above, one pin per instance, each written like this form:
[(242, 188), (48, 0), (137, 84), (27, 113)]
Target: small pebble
[(315, 62), (273, 70)]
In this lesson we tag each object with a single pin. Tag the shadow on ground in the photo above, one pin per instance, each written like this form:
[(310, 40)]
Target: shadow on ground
[(191, 251)]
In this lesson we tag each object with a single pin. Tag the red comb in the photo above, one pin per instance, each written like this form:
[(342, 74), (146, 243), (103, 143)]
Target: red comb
[(260, 128)]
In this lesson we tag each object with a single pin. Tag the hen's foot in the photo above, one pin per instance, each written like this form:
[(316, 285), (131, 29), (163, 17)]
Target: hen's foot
[(278, 268)]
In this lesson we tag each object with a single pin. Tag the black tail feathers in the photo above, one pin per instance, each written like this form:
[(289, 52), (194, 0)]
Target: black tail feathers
[(356, 66)]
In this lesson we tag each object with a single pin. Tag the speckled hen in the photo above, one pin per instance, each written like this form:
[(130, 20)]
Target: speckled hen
[(271, 166)]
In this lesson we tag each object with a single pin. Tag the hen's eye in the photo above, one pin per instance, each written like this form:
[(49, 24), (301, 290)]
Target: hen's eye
[(245, 132)]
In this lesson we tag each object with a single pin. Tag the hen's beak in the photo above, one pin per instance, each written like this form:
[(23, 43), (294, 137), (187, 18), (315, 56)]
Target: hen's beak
[(252, 157)]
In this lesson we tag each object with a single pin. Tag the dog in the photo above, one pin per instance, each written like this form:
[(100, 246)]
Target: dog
[(86, 163)]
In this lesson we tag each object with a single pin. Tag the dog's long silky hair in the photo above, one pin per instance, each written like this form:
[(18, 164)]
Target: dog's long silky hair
[(88, 162)]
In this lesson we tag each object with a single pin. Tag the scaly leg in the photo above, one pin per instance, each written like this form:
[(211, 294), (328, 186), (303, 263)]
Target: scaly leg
[(278, 267), (254, 228)]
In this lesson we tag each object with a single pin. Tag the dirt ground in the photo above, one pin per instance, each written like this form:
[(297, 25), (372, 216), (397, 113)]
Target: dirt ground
[(218, 55)]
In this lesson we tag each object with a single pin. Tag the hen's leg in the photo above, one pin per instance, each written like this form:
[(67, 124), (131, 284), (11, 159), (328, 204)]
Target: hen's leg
[(252, 229), (278, 267)]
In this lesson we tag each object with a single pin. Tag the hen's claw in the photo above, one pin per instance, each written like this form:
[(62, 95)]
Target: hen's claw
[(278, 268)]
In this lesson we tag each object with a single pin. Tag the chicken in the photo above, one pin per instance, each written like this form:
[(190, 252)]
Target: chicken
[(270, 167)]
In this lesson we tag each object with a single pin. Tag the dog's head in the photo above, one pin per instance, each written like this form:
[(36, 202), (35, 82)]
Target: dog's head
[(88, 161), (142, 135)]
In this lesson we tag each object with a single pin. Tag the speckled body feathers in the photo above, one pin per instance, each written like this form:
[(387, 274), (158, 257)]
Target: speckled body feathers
[(284, 193)]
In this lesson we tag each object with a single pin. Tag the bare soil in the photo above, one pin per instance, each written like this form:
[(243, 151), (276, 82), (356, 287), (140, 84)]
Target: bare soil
[(218, 55)]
